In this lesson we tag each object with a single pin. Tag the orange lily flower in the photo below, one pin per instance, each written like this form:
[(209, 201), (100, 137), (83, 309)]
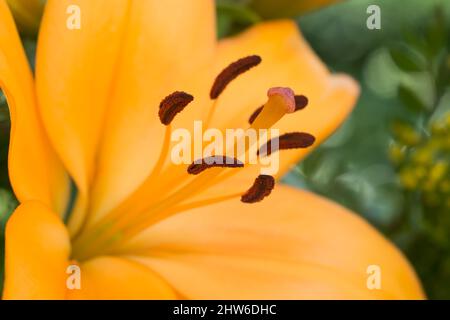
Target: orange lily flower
[(140, 227)]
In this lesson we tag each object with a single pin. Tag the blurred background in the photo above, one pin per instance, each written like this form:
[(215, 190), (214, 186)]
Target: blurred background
[(390, 160)]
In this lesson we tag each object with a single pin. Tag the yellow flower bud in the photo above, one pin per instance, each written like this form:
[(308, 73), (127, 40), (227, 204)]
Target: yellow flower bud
[(438, 171), (408, 179), (447, 121), (406, 133), (396, 153), (439, 127), (423, 156), (420, 172)]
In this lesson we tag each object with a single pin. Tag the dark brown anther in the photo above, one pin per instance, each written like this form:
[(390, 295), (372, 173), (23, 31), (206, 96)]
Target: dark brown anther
[(232, 72), (201, 165), (294, 140), (172, 105), (300, 102), (262, 187), (255, 115)]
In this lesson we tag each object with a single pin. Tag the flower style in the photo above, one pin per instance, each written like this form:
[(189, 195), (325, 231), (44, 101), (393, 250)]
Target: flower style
[(89, 163)]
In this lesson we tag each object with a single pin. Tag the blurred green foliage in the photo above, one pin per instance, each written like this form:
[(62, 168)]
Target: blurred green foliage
[(4, 141), (421, 151), (234, 16), (27, 14), (389, 161), (286, 8)]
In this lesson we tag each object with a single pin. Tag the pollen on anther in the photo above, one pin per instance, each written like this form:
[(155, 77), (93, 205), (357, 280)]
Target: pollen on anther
[(173, 104), (214, 161), (293, 140), (300, 102), (261, 188), (232, 72)]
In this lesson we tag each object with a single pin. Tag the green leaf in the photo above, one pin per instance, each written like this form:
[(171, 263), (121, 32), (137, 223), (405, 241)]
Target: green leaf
[(407, 59), (224, 25), (233, 17), (411, 100), (436, 33)]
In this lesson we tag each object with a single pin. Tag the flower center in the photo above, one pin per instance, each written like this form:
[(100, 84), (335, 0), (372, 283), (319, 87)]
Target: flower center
[(177, 185)]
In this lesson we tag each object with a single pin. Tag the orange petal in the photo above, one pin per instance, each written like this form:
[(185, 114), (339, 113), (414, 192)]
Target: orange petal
[(75, 70), (34, 170), (37, 249), (293, 245), (167, 44), (110, 278)]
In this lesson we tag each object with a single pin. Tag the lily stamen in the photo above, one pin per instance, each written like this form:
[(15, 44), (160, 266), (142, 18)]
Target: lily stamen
[(293, 140), (261, 188), (169, 107), (231, 72), (301, 102), (199, 166), (172, 105)]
